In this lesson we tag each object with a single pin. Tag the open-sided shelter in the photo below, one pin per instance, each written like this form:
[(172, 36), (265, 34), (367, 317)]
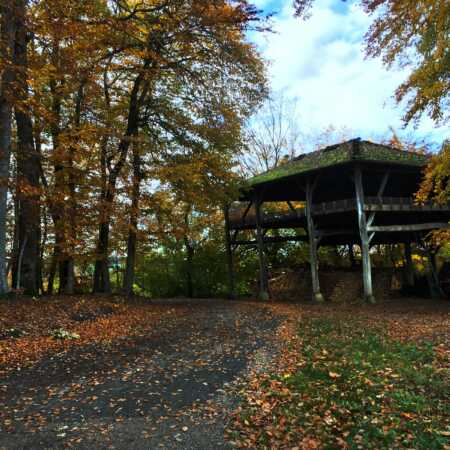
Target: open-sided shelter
[(356, 192)]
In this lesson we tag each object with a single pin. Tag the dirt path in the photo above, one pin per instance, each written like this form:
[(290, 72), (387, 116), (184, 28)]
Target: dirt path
[(169, 389)]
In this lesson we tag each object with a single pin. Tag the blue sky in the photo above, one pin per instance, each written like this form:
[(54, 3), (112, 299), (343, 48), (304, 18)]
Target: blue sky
[(321, 63)]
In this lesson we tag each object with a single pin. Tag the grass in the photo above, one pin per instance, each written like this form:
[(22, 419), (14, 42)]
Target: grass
[(352, 388)]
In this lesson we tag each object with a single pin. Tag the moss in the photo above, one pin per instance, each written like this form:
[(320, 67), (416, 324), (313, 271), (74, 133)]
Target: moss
[(337, 154), (375, 152)]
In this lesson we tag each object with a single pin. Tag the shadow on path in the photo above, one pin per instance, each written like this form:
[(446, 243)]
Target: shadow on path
[(165, 389)]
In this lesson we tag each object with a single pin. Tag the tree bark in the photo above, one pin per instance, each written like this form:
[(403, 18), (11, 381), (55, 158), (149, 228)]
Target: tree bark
[(189, 268), (128, 280), (68, 287), (101, 272), (7, 37), (27, 164)]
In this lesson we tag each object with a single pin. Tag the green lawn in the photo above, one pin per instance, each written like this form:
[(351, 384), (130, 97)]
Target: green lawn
[(352, 387)]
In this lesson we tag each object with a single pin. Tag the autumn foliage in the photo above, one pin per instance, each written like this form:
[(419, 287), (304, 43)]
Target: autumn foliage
[(121, 107)]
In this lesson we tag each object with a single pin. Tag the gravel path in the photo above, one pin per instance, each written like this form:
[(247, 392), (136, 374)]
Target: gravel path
[(172, 389)]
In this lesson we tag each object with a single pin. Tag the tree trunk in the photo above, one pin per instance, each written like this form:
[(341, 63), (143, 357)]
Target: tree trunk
[(7, 36), (101, 273), (27, 165), (128, 279), (189, 268), (52, 273), (69, 282), (102, 282)]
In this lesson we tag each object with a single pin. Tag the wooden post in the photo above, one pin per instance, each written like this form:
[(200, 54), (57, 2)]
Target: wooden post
[(351, 255), (409, 267), (229, 252), (263, 277), (432, 275), (365, 239), (313, 241)]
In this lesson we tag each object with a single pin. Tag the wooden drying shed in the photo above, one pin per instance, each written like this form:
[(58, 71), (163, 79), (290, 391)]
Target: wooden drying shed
[(356, 192)]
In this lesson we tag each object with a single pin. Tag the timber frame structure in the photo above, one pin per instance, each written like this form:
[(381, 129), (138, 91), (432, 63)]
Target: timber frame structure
[(356, 192)]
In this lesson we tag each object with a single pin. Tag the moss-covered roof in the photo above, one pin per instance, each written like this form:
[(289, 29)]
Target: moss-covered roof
[(354, 150)]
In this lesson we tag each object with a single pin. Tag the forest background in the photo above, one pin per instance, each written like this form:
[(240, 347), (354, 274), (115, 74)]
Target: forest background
[(127, 126)]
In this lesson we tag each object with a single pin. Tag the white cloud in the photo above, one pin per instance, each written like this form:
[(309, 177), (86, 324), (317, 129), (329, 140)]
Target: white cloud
[(321, 61)]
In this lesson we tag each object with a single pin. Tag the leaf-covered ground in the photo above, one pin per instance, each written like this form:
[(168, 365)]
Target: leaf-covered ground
[(140, 376), (355, 377), (98, 372)]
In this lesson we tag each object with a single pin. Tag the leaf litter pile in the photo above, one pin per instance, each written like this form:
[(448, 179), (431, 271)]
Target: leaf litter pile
[(33, 328), (353, 377)]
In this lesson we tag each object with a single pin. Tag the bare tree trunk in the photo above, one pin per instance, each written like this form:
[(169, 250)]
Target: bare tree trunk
[(27, 164), (128, 279), (7, 36)]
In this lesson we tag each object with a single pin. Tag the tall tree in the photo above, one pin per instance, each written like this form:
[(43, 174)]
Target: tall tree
[(26, 265), (183, 51), (128, 279), (7, 38)]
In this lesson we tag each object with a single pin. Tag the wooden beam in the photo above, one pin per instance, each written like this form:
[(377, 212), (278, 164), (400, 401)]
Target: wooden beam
[(379, 196), (250, 203), (365, 239), (410, 227), (263, 276), (314, 262), (333, 232), (229, 253), (291, 206), (409, 266), (273, 240)]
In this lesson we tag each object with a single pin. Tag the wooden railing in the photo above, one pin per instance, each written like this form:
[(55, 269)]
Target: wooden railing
[(237, 221)]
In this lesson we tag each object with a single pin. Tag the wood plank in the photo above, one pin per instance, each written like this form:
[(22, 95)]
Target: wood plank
[(410, 227), (273, 240)]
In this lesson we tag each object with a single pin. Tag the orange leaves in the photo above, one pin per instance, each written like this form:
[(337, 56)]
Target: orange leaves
[(96, 320)]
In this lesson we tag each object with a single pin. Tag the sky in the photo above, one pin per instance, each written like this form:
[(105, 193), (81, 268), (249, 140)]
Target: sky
[(320, 62)]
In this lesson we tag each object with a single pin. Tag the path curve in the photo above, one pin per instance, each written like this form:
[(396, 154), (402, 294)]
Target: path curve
[(171, 389)]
